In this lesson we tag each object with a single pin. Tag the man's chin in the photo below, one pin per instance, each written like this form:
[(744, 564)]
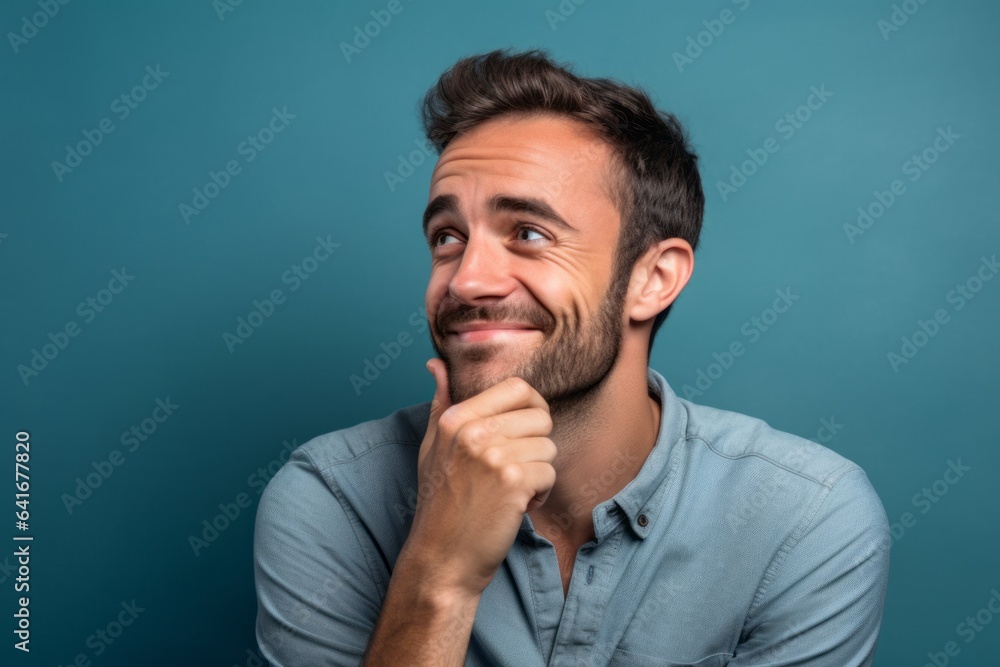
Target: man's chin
[(499, 349), (471, 377), (496, 366)]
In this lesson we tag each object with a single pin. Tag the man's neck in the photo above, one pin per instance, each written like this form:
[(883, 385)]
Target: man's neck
[(601, 448)]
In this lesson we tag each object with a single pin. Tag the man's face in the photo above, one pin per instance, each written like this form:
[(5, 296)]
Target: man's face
[(522, 234)]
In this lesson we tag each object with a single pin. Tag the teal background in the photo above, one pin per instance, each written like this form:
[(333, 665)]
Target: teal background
[(324, 175)]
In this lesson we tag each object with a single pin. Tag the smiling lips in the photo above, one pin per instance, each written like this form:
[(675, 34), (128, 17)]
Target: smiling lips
[(469, 332)]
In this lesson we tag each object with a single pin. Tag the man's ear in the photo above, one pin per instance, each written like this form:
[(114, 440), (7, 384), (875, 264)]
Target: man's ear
[(658, 278)]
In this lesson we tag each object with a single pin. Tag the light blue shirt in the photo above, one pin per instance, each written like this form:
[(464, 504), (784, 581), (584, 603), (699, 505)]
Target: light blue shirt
[(736, 544)]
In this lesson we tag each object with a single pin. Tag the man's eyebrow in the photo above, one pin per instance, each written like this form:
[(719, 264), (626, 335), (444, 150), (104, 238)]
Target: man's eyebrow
[(440, 204), (530, 205)]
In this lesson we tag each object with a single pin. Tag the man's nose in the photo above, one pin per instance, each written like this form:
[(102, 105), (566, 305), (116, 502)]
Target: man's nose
[(483, 272)]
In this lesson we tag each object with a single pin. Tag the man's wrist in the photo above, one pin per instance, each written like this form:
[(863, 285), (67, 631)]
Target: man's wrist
[(429, 585)]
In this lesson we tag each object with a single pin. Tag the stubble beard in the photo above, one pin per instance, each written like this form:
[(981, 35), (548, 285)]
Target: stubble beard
[(568, 368)]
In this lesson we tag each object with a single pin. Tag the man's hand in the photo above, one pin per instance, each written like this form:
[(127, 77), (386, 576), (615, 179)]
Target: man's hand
[(485, 462)]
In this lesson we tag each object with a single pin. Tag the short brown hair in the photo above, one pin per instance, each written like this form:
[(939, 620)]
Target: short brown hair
[(656, 185)]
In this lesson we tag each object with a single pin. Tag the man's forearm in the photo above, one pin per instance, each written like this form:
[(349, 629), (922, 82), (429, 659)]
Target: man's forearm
[(419, 623)]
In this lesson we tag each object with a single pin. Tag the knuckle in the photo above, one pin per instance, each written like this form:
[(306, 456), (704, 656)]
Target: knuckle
[(474, 434), (545, 418), (549, 450), (493, 423), (450, 420), (519, 387), (493, 457), (511, 475), (551, 472)]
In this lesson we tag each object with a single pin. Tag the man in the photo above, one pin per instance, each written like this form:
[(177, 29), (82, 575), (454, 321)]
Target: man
[(556, 503)]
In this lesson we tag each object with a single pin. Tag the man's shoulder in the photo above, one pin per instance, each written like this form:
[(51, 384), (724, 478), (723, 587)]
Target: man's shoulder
[(362, 465), (350, 480), (771, 485), (404, 427), (743, 438)]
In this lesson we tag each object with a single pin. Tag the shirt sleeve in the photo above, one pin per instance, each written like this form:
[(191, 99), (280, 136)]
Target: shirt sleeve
[(821, 600), (317, 602)]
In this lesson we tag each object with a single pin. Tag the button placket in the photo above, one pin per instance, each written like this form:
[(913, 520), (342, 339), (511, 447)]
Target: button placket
[(590, 589)]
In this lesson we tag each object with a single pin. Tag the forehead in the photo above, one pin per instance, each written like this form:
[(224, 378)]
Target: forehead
[(546, 156)]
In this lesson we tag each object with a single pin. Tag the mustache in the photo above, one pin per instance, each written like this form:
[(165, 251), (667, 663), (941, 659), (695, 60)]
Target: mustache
[(449, 317)]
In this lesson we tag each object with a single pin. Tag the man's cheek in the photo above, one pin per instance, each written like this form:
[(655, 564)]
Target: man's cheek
[(418, 320)]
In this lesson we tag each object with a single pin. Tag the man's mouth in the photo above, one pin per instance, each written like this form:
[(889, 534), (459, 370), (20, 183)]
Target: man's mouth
[(470, 332)]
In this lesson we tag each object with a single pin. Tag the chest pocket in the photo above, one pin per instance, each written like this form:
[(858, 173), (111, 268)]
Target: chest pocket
[(623, 658)]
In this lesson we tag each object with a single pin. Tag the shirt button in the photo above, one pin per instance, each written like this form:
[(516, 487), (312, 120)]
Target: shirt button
[(642, 520)]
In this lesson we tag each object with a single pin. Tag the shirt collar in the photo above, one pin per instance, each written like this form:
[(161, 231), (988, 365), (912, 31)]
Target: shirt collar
[(639, 501)]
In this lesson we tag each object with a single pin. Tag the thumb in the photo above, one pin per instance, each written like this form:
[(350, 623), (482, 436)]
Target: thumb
[(442, 399), (439, 404)]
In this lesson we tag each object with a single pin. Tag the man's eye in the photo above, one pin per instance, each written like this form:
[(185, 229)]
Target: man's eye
[(524, 232), (440, 239)]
